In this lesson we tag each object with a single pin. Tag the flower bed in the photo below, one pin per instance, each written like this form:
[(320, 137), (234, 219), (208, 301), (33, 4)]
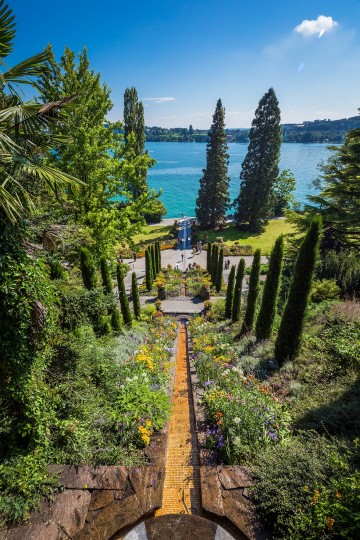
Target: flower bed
[(242, 414)]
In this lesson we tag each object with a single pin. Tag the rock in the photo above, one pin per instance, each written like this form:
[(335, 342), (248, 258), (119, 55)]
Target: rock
[(180, 527), (211, 496), (112, 518), (148, 485), (101, 498), (69, 510), (35, 531), (103, 477), (233, 477)]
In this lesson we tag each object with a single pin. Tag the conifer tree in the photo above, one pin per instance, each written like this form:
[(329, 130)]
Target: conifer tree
[(115, 319), (148, 269), (105, 275), (230, 293), (238, 290), (153, 261), (219, 270), (214, 263), (213, 200), (290, 332), (124, 302), (159, 257), (208, 257), (252, 294), (267, 312), (260, 166), (135, 295), (134, 119), (87, 268)]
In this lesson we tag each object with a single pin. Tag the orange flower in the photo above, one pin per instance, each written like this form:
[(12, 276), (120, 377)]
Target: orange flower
[(329, 523)]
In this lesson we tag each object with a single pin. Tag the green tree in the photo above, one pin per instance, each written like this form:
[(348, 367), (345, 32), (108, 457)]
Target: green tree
[(253, 294), (282, 193), (96, 155), (260, 166), (219, 270), (153, 261), (87, 268), (230, 293), (288, 340), (339, 199), (213, 200), (214, 262), (135, 295), (208, 257), (124, 302), (134, 120), (238, 290), (115, 319), (148, 269), (105, 275), (267, 311)]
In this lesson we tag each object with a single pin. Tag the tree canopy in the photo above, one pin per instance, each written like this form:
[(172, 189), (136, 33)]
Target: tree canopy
[(260, 166)]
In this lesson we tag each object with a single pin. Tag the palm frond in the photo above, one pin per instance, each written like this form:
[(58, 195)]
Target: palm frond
[(7, 29), (22, 72)]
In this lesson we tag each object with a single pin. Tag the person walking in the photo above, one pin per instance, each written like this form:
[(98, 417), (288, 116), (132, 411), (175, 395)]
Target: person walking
[(134, 256), (182, 257)]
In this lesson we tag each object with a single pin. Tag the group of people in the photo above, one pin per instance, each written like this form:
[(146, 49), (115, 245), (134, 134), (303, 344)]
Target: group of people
[(227, 265)]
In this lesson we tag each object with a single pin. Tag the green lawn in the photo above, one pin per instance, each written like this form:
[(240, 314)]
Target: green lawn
[(153, 234), (264, 241)]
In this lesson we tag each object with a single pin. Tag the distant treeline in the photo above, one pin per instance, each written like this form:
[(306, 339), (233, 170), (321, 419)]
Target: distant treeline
[(331, 131)]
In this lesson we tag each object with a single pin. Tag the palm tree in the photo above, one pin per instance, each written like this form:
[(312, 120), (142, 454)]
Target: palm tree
[(27, 129)]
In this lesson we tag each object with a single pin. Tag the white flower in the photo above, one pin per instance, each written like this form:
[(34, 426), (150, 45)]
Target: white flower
[(237, 420)]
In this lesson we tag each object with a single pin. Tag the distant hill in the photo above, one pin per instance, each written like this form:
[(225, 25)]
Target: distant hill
[(317, 131)]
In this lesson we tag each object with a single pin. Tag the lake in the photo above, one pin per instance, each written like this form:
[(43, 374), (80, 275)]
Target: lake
[(179, 168)]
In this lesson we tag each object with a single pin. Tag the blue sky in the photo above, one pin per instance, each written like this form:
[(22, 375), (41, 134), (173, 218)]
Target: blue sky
[(194, 51)]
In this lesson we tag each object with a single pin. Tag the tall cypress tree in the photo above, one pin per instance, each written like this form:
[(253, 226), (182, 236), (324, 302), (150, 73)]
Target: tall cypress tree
[(153, 261), (158, 257), (135, 295), (105, 275), (214, 263), (238, 290), (267, 312), (87, 268), (260, 166), (213, 200), (124, 302), (252, 294), (219, 270), (115, 319), (230, 293), (290, 332), (134, 119), (208, 257), (148, 269)]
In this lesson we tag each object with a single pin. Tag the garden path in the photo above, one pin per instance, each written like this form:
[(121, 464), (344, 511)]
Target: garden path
[(182, 481)]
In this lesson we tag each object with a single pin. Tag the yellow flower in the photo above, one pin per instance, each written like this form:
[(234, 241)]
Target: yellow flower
[(315, 497), (329, 523)]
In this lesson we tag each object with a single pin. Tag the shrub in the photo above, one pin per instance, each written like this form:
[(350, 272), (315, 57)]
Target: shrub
[(252, 294), (87, 268), (326, 289)]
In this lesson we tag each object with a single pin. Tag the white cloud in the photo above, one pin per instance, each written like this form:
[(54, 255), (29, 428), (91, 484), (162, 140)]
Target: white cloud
[(159, 99), (319, 26)]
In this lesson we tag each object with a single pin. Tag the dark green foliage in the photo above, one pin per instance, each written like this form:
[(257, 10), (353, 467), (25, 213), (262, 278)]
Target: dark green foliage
[(154, 211), (135, 295), (267, 312), (124, 302), (339, 199), (290, 332), (80, 306), (105, 275), (344, 268), (208, 257), (238, 290), (230, 293), (260, 166), (282, 195), (87, 268), (148, 269), (219, 270), (252, 294), (134, 119), (213, 200), (214, 262), (56, 269), (153, 261), (115, 319), (158, 257)]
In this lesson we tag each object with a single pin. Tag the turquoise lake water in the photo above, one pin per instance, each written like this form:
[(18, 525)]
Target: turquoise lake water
[(179, 168)]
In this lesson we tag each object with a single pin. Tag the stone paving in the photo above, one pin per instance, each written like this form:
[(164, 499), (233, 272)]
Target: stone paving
[(182, 477)]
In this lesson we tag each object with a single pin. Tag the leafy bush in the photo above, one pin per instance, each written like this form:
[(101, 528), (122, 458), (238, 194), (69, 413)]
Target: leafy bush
[(307, 489), (326, 289), (344, 268)]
